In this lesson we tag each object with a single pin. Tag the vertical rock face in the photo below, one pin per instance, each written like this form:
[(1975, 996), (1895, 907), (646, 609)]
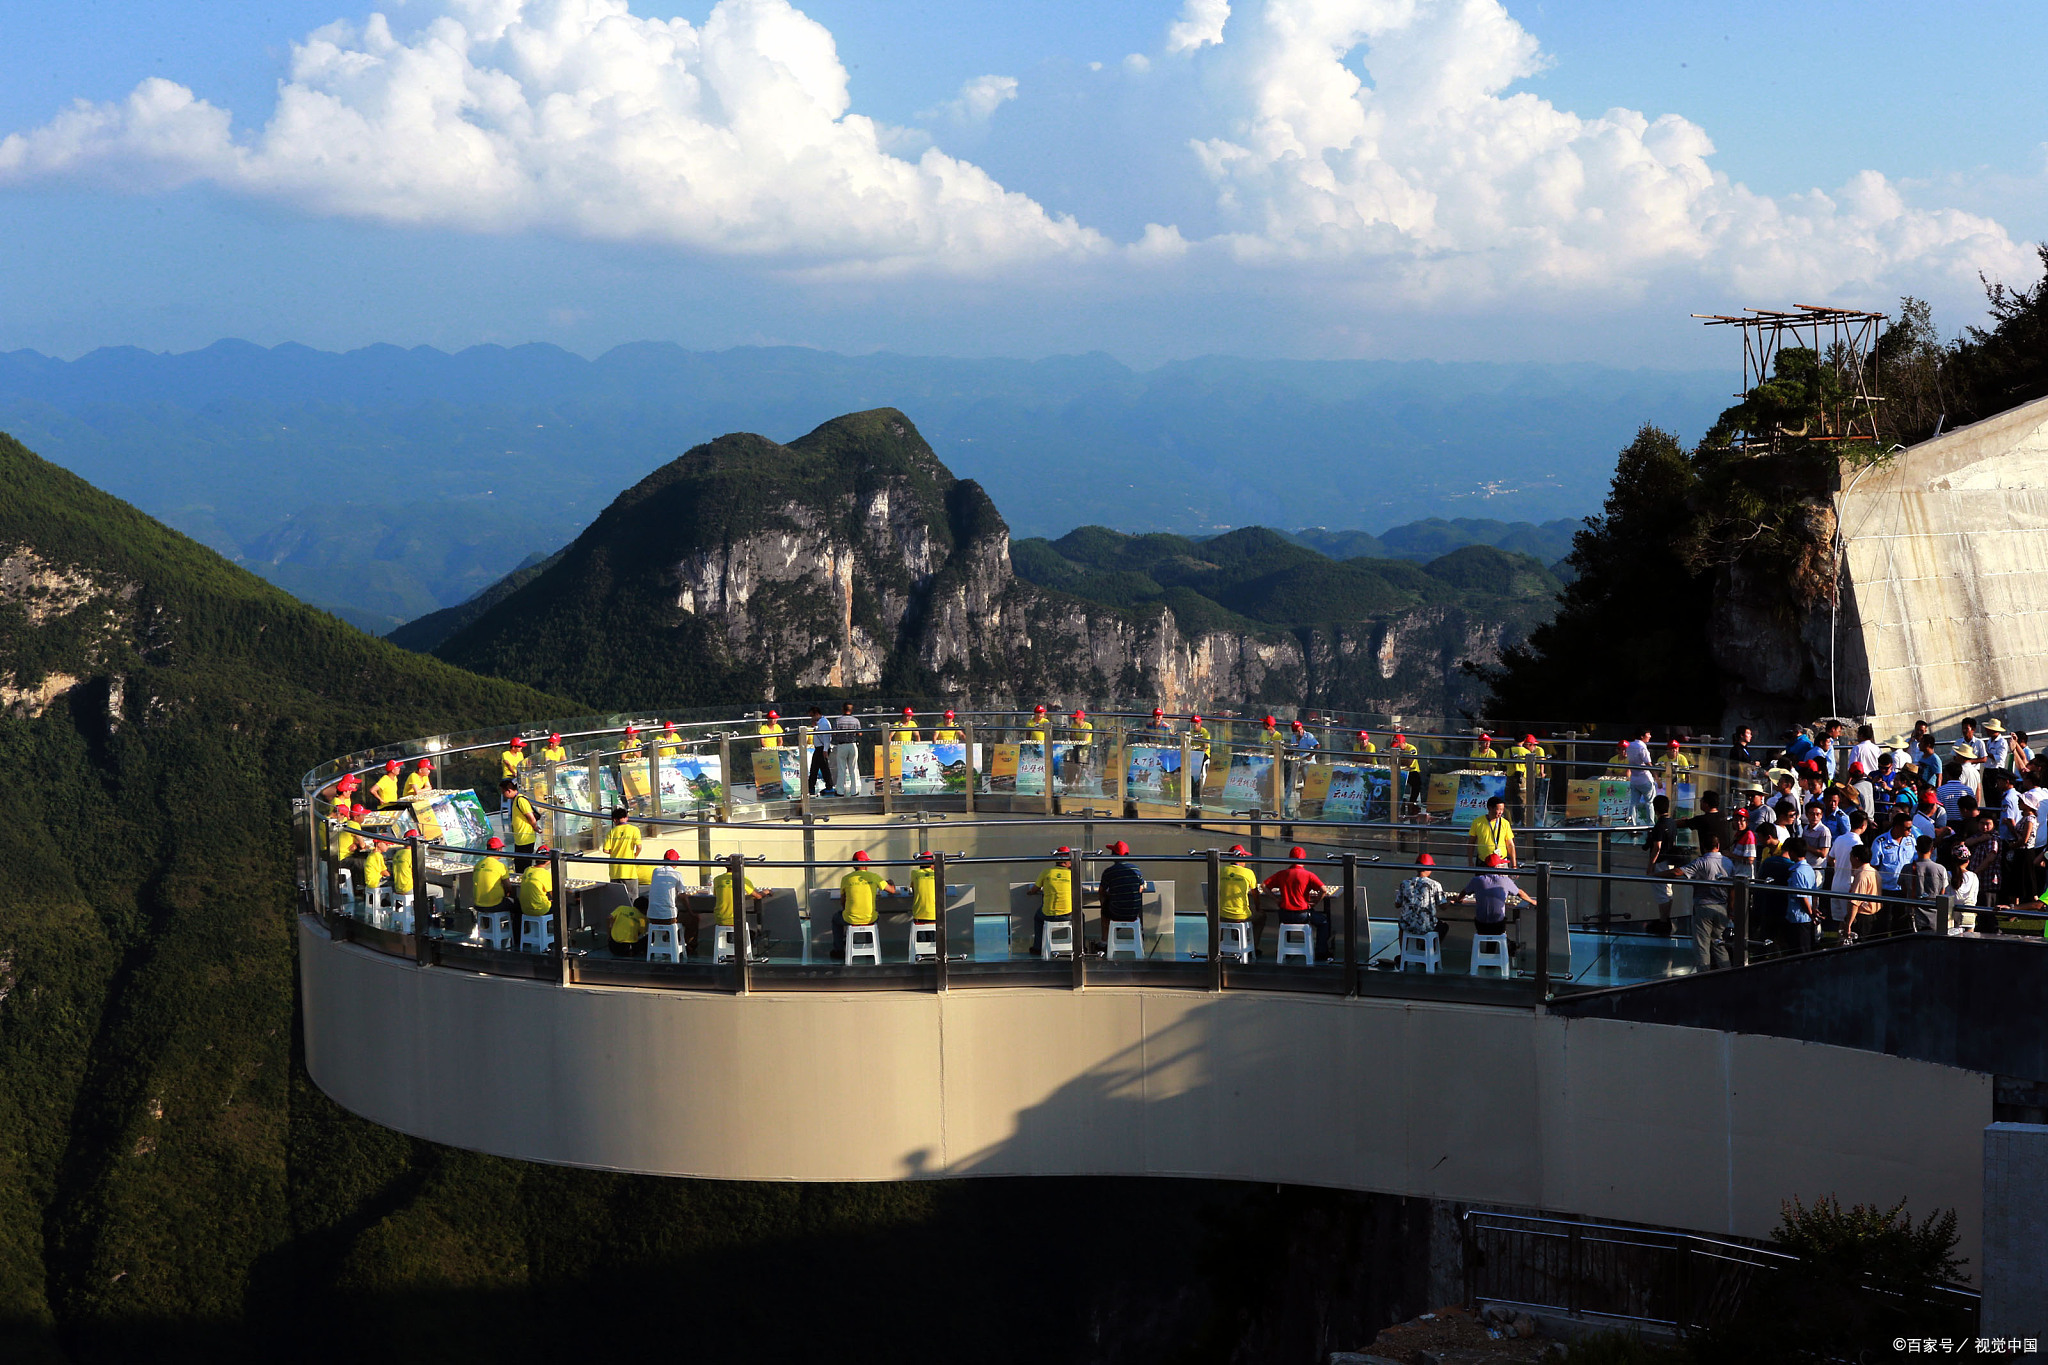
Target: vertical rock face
[(852, 559)]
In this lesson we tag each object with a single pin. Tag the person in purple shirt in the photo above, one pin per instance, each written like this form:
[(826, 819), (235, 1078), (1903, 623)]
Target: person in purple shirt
[(1491, 893)]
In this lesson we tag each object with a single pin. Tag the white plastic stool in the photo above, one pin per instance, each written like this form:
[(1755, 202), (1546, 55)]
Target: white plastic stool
[(662, 942), (493, 928), (863, 944), (1127, 935), (721, 945), (1297, 940), (1058, 939), (376, 900), (536, 933), (1237, 939), (402, 919), (924, 939), (344, 889), (1421, 949), (1490, 953)]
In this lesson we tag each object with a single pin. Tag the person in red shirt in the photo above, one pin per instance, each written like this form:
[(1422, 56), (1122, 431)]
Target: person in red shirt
[(1301, 893)]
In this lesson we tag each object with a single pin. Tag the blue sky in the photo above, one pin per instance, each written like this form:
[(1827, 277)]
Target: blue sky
[(1275, 177)]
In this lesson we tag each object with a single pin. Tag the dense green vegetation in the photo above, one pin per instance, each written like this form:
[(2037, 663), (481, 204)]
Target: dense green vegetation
[(1686, 530), (1256, 578)]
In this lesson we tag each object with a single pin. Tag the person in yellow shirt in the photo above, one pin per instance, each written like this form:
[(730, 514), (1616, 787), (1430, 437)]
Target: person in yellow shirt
[(1055, 890), (1236, 888), (385, 789), (857, 892), (671, 743), (924, 891), (419, 781), (1676, 757), (537, 887), (622, 840), (376, 869), (905, 730), (721, 895), (948, 731), (1523, 775), (1035, 732), (770, 730), (521, 816), (347, 844), (1271, 735), (1365, 744), (628, 931), (1483, 750), (1080, 739), (1491, 833), (487, 879), (553, 751), (1407, 761), (342, 795), (512, 762)]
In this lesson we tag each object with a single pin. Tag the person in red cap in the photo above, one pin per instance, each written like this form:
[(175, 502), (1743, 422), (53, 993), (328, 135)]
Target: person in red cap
[(537, 886), (667, 905), (1419, 900), (770, 730), (1491, 893), (1055, 890), (948, 731), (420, 780), (1122, 890), (857, 892), (671, 742), (1301, 893), (1365, 744), (384, 791), (1407, 761), (1198, 758), (553, 751), (1079, 746), (512, 762), (487, 879), (1038, 729), (1237, 888), (905, 729), (1527, 786), (521, 818)]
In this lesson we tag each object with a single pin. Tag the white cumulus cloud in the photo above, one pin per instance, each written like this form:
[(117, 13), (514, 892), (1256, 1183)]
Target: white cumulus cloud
[(1440, 179), (575, 116), (977, 101), (1200, 24)]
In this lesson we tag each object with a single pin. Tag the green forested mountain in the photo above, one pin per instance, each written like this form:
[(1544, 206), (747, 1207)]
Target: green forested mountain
[(1262, 579)]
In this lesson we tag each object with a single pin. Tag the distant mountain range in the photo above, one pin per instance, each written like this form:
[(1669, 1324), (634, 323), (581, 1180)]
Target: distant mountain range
[(386, 483)]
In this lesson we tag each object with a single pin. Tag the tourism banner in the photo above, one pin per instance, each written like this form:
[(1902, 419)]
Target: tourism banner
[(1002, 768), (1250, 780), (575, 787), (456, 818), (1356, 793), (1443, 794), (1475, 789), (1031, 769), (688, 781), (928, 769), (1152, 774), (778, 775)]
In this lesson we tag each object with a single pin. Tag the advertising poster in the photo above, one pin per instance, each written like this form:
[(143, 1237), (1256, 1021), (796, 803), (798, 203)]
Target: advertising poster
[(1250, 780), (455, 818), (932, 769), (1357, 793), (1002, 768), (1582, 801), (778, 775), (1443, 793), (1474, 791), (688, 781), (1031, 769), (1152, 775), (1617, 805), (575, 785), (1315, 782)]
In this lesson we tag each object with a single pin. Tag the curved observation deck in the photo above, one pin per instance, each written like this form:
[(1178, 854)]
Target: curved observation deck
[(988, 1058)]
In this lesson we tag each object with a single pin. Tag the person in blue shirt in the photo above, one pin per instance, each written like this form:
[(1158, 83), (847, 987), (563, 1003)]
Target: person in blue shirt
[(1891, 851), (1832, 815), (1803, 880), (1121, 890)]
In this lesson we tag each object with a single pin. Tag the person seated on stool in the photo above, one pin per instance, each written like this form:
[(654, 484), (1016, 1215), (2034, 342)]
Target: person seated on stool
[(1122, 892), (666, 904), (1237, 886), (924, 895), (400, 861), (1417, 899), (857, 892), (1490, 893), (487, 880), (537, 886), (629, 929), (1301, 893), (375, 867), (419, 781), (623, 841), (721, 896), (1055, 888)]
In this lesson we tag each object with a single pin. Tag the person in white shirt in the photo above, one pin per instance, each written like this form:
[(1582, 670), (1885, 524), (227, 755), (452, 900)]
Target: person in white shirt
[(1642, 781), (1997, 748), (1866, 750), (1969, 752), (664, 897)]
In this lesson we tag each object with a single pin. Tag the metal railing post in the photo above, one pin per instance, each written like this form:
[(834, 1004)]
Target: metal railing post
[(653, 777), (561, 911), (1944, 914), (1046, 760), (736, 868), (592, 824), (1188, 796), (1603, 855), (973, 768), (1543, 931), (415, 850), (725, 777), (1738, 916), (1351, 924), (938, 919), (1215, 920), (807, 741)]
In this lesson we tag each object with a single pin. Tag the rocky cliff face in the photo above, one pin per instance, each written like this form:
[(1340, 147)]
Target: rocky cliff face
[(853, 561)]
